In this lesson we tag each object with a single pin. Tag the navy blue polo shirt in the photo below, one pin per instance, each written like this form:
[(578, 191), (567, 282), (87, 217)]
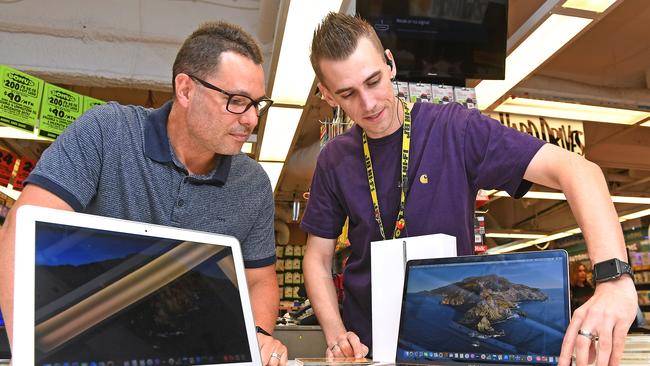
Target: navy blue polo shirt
[(117, 161), (454, 151)]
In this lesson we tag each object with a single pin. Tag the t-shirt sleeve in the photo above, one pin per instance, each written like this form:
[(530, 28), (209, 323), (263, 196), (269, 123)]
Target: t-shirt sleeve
[(71, 166), (497, 156), (258, 249), (324, 216)]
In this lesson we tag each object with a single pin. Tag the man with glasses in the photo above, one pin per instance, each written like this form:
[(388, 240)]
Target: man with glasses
[(179, 165)]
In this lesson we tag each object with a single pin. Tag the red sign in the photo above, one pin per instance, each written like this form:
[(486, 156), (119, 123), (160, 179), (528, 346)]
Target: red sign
[(7, 163), (480, 248), (25, 167)]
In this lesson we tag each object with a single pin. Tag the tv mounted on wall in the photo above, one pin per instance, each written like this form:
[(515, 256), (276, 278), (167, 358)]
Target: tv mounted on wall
[(442, 41)]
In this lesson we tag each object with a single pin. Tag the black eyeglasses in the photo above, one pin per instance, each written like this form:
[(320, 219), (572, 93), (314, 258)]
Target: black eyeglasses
[(237, 103)]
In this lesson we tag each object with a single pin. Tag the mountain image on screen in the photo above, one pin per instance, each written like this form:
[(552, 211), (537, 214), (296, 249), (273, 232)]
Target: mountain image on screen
[(486, 300)]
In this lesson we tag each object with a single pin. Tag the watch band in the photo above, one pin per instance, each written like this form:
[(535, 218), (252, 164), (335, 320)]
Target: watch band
[(261, 330)]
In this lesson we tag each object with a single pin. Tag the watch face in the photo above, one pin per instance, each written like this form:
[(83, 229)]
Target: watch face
[(607, 270)]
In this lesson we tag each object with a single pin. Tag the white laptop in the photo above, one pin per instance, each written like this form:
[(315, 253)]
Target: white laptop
[(98, 291)]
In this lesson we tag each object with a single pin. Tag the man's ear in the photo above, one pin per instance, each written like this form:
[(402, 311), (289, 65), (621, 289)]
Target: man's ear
[(393, 67), (329, 98), (184, 87)]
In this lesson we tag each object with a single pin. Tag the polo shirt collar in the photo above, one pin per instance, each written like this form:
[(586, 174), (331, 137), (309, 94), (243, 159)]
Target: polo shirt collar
[(158, 148)]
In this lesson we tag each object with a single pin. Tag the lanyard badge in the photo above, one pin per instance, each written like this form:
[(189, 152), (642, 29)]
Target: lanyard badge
[(400, 222)]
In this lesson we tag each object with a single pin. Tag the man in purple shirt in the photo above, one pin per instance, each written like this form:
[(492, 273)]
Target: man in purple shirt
[(447, 153)]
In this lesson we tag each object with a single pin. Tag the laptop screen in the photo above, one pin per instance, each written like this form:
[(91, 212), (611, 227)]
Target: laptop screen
[(111, 298), (507, 308)]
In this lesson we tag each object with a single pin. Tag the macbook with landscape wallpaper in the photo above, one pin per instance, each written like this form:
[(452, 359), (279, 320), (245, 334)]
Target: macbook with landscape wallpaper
[(503, 309), (98, 291)]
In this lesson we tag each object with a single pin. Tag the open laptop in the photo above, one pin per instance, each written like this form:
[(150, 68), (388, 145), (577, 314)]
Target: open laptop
[(504, 309), (95, 291)]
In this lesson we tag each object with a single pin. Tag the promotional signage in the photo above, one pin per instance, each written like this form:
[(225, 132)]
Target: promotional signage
[(20, 96), (90, 102), (567, 134), (60, 108), (7, 163), (26, 166)]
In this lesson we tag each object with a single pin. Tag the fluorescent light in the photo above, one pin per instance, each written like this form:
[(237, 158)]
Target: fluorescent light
[(281, 124), (14, 133), (515, 246), (294, 75), (580, 112), (9, 191), (514, 235), (634, 215), (247, 148), (597, 6), (540, 45), (273, 170), (560, 196)]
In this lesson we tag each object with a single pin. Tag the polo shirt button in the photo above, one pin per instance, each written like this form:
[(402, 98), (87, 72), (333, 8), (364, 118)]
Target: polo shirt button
[(180, 203)]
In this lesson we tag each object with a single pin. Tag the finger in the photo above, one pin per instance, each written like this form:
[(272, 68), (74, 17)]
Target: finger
[(345, 347), (328, 354), (366, 350), (357, 346), (618, 342), (336, 351), (604, 345), (285, 357), (274, 359), (569, 341)]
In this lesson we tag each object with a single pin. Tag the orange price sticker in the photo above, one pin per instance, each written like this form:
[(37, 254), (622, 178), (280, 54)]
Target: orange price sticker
[(7, 163), (25, 167)]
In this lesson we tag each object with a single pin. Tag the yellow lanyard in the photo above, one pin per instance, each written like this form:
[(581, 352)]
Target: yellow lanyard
[(400, 223)]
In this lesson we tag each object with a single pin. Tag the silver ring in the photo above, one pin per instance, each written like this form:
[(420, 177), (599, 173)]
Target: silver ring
[(275, 355), (588, 334)]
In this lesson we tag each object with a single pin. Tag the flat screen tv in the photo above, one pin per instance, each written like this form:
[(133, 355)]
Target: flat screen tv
[(442, 41)]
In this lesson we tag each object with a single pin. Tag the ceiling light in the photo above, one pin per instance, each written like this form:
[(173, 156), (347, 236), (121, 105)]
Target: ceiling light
[(514, 235), (556, 31), (563, 234), (560, 196), (14, 133), (634, 215), (294, 75), (597, 6), (580, 112), (273, 170), (280, 126)]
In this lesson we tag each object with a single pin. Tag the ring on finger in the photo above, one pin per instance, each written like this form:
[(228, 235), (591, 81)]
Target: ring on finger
[(592, 337), (276, 355)]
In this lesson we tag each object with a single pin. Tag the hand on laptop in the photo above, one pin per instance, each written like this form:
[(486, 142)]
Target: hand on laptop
[(273, 352), (604, 318), (347, 344)]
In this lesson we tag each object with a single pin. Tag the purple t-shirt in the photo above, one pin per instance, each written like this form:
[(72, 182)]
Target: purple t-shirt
[(458, 149)]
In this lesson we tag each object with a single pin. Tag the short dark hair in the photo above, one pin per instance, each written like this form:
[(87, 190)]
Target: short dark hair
[(200, 53), (337, 36)]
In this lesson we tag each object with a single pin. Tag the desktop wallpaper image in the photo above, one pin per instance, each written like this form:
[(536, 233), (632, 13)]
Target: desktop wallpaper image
[(197, 315), (513, 307)]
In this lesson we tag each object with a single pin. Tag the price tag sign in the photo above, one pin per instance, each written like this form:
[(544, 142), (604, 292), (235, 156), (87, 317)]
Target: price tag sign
[(7, 163), (90, 102), (26, 166), (20, 98), (59, 109)]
